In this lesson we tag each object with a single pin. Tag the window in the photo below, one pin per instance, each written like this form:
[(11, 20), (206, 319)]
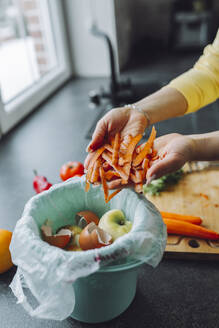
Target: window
[(33, 56)]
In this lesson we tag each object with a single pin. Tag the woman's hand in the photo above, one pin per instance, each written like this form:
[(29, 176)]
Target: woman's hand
[(174, 151), (123, 120)]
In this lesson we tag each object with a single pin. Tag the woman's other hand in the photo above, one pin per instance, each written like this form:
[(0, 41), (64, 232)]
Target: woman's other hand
[(174, 150)]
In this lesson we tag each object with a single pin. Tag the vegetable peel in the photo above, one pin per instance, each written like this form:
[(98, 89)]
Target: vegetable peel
[(118, 161)]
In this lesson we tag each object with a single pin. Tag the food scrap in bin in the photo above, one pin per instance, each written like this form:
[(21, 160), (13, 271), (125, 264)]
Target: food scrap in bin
[(122, 160), (60, 239), (89, 231)]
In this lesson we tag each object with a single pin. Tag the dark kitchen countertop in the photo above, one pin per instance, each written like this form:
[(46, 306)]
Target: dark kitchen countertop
[(178, 293)]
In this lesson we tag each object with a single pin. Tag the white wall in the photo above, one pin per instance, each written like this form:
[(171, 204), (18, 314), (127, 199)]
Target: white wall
[(89, 53)]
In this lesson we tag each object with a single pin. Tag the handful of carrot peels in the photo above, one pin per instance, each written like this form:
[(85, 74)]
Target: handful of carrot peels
[(122, 160)]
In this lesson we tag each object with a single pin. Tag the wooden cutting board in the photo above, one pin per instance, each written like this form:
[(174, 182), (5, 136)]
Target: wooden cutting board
[(197, 194)]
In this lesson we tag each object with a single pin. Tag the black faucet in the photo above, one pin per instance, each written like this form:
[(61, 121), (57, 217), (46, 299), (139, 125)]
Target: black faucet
[(119, 91)]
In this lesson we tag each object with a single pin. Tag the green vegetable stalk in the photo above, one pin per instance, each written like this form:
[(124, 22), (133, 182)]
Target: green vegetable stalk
[(161, 184)]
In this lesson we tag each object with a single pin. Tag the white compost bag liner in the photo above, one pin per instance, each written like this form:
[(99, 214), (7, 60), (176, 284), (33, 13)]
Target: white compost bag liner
[(49, 272)]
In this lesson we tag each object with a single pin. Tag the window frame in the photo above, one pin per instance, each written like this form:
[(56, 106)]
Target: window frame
[(19, 107)]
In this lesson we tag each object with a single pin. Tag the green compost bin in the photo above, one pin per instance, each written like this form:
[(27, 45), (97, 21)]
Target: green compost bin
[(99, 292), (104, 295)]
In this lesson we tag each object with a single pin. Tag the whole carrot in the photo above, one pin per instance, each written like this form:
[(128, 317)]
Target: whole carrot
[(188, 229), (188, 218)]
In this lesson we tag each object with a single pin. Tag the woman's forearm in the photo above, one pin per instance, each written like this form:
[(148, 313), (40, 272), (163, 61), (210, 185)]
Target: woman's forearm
[(163, 104), (188, 92), (205, 147), (200, 85)]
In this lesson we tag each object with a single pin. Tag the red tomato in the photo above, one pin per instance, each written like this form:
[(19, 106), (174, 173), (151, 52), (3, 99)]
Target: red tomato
[(71, 169)]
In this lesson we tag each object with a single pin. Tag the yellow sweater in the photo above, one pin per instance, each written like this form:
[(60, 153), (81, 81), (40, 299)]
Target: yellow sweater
[(200, 85)]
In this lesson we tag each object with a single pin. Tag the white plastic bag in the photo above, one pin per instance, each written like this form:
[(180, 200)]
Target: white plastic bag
[(49, 272)]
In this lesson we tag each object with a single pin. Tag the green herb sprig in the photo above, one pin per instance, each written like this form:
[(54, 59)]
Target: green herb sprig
[(161, 184)]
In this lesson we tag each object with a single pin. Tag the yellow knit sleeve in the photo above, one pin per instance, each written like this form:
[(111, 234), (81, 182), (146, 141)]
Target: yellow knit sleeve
[(200, 85)]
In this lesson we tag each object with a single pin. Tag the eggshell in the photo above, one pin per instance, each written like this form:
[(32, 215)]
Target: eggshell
[(93, 237), (89, 216), (61, 239), (57, 240)]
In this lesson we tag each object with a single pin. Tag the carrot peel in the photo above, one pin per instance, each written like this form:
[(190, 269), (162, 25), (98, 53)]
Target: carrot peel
[(119, 162), (116, 149), (104, 183), (140, 157), (113, 194)]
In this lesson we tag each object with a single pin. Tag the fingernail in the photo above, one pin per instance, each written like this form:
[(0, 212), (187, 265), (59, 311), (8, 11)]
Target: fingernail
[(88, 148), (150, 179)]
